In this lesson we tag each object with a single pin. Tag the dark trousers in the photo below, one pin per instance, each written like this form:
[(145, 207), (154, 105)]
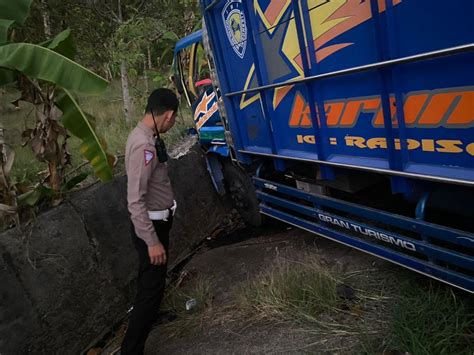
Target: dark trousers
[(151, 287)]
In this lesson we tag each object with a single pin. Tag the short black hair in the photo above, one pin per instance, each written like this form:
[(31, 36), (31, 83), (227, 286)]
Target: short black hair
[(162, 100)]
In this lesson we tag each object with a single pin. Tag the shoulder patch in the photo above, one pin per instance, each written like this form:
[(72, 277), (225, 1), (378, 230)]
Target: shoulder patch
[(149, 155)]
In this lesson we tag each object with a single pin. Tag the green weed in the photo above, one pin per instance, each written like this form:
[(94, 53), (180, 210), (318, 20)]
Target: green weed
[(432, 320), (294, 291), (187, 322)]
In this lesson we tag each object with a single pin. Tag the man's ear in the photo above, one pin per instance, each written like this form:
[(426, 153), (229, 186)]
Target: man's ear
[(169, 115)]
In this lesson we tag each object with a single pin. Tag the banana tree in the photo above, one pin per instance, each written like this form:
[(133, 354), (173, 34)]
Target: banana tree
[(47, 76)]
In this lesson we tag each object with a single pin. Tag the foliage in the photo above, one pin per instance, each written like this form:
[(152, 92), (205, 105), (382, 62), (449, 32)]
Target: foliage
[(433, 320), (130, 39), (42, 73), (45, 64), (141, 33)]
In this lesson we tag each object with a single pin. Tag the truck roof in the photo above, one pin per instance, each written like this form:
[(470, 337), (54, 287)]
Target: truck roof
[(187, 41)]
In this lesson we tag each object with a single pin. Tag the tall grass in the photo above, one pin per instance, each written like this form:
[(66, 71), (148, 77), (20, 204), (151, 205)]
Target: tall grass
[(294, 291), (432, 320), (187, 322), (412, 319)]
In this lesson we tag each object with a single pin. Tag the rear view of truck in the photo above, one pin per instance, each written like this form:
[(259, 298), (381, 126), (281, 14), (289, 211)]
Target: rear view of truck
[(355, 121)]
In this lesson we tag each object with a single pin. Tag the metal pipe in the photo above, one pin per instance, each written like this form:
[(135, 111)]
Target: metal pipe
[(375, 170), (421, 206), (420, 214), (404, 60)]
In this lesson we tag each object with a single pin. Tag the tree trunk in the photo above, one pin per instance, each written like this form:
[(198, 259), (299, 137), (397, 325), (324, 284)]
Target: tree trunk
[(127, 102), (108, 72), (46, 19), (150, 64), (55, 181), (190, 20), (119, 13), (145, 78)]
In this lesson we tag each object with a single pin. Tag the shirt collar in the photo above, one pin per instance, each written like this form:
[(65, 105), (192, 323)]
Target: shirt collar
[(148, 131)]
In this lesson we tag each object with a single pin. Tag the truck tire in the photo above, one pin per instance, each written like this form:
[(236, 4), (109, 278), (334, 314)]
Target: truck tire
[(241, 191)]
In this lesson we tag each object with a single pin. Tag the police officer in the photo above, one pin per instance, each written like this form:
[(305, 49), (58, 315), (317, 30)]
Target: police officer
[(151, 206)]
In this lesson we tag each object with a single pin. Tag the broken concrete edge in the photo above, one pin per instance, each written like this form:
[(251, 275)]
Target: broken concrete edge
[(68, 275)]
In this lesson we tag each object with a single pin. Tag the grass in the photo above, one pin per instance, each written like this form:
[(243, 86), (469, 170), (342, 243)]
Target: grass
[(310, 300), (292, 291), (187, 322), (412, 319), (433, 320)]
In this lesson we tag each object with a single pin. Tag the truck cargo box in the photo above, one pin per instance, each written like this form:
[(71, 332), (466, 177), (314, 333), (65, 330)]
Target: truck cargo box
[(382, 85)]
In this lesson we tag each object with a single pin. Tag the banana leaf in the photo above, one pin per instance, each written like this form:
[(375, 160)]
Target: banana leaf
[(76, 180), (4, 26), (63, 44), (6, 76), (16, 10), (45, 64), (92, 148), (32, 197)]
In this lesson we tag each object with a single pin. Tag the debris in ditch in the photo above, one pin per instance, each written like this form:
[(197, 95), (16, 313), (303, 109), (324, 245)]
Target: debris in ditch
[(183, 148), (181, 278), (191, 304), (345, 292)]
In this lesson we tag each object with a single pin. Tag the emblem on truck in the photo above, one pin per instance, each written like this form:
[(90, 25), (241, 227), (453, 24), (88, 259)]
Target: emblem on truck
[(235, 26)]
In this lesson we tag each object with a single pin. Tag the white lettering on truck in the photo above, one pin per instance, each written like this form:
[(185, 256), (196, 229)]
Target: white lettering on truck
[(368, 232)]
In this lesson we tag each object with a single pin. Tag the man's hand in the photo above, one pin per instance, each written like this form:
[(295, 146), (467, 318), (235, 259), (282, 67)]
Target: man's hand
[(157, 254)]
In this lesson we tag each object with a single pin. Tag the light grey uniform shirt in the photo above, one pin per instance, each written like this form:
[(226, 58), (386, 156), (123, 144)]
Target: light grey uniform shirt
[(148, 185)]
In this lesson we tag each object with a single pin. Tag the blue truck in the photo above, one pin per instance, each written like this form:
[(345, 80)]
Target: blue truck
[(351, 119)]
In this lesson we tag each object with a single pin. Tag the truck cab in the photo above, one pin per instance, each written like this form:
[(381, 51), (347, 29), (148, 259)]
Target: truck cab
[(192, 79)]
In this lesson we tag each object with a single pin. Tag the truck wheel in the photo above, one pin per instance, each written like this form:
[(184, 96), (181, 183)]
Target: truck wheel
[(242, 193)]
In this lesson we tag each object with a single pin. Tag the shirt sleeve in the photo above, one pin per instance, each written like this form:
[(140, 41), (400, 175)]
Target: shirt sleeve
[(142, 162)]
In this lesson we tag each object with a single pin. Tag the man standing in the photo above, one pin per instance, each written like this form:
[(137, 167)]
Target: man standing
[(151, 206)]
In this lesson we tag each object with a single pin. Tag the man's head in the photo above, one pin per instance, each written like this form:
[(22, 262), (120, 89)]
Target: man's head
[(161, 107)]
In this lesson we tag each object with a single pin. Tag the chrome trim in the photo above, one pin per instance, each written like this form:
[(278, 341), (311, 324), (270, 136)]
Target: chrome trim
[(409, 59), (211, 5)]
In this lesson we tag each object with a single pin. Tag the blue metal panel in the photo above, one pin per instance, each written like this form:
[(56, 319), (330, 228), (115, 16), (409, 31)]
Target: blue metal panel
[(236, 60), (224, 81), (431, 135), (222, 150), (260, 73), (314, 96)]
